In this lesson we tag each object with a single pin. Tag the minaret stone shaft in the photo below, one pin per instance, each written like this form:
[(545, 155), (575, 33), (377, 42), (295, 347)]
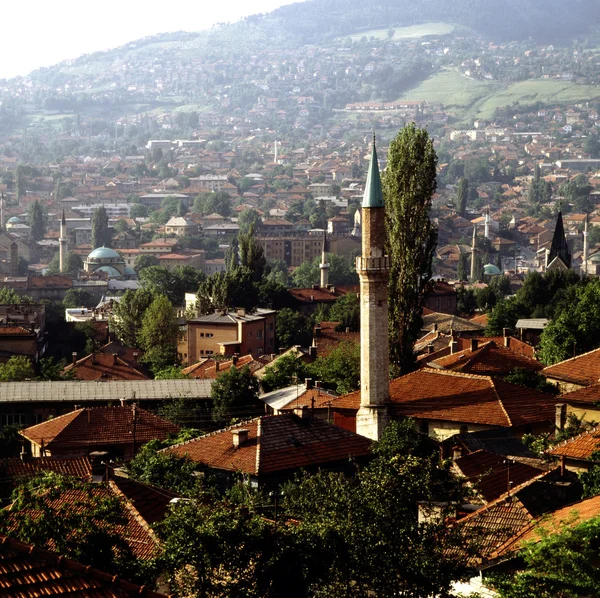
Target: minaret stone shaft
[(473, 252), (373, 268), (62, 243), (324, 265)]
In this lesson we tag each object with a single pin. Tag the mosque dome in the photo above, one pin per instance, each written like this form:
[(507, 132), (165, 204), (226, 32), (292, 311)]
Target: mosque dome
[(109, 270), (14, 220), (491, 270), (103, 253)]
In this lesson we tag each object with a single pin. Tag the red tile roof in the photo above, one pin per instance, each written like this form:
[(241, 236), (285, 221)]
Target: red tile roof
[(490, 359), (78, 467), (328, 339), (454, 396), (589, 395), (275, 443), (580, 447), (583, 369), (86, 428), (491, 474), (206, 369), (322, 295), (104, 366), (515, 345), (29, 571)]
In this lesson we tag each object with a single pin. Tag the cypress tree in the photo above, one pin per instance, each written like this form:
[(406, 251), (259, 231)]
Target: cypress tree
[(37, 222), (100, 233)]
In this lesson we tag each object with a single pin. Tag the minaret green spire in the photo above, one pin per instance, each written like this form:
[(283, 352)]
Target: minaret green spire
[(373, 197)]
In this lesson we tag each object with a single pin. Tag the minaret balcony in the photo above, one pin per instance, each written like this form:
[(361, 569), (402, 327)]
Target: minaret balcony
[(373, 263)]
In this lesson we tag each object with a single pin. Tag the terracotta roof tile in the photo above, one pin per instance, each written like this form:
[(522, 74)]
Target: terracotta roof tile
[(491, 474), (78, 467), (86, 428), (275, 443), (583, 369), (104, 366), (29, 571), (453, 396), (588, 395), (206, 369), (489, 359), (580, 447)]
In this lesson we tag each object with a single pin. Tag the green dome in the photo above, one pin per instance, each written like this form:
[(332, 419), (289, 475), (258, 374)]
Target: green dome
[(491, 270), (102, 253), (112, 272), (14, 220)]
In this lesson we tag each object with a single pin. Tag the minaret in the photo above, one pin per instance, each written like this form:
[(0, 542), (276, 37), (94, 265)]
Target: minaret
[(62, 242), (373, 270), (586, 245), (486, 232), (473, 252), (2, 212), (324, 265)]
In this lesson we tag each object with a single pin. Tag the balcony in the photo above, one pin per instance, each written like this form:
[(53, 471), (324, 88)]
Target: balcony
[(373, 263)]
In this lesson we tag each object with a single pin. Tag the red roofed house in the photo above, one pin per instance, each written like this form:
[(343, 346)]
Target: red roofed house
[(272, 448), (104, 366), (440, 297), (581, 452), (574, 373), (120, 431), (446, 403)]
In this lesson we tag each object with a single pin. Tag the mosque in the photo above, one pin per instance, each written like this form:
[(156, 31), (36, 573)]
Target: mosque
[(107, 263)]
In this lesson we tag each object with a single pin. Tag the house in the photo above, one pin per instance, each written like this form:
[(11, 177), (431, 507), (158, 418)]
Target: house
[(181, 227), (583, 403), (579, 453), (440, 297), (576, 372), (120, 431), (104, 366), (446, 403), (316, 399), (26, 570), (22, 331), (449, 324), (308, 300), (272, 448), (209, 368), (228, 333)]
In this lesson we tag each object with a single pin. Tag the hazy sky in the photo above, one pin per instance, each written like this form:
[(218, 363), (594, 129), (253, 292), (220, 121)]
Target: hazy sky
[(41, 32)]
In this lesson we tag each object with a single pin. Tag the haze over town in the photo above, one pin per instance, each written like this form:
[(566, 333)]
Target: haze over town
[(43, 33)]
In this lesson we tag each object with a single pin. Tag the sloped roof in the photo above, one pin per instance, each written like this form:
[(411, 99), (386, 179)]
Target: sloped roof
[(489, 359), (446, 323), (29, 571), (580, 447), (78, 467), (89, 427), (454, 396), (499, 441), (275, 443), (491, 474), (588, 394), (104, 366), (583, 369)]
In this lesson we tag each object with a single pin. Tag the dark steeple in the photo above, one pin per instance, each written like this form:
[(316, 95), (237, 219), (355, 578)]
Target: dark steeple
[(559, 247)]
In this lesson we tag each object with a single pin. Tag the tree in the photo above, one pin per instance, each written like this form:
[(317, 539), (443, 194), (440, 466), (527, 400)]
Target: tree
[(9, 296), (234, 394), (292, 328), (286, 370), (73, 264), (223, 290), (462, 195), (346, 311), (16, 369), (563, 564), (408, 186), (37, 221), (340, 367), (144, 261), (159, 333), (248, 218), (78, 298), (251, 255), (128, 315), (100, 232), (73, 519)]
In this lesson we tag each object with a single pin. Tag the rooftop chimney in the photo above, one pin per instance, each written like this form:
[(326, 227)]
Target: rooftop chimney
[(474, 344), (308, 382), (435, 328), (74, 357), (318, 383), (560, 417), (507, 341), (240, 436), (135, 357), (301, 412), (456, 452), (317, 330), (430, 348), (505, 332), (234, 359), (241, 311), (453, 347)]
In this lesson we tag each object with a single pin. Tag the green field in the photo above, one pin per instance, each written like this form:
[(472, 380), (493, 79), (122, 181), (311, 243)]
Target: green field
[(467, 99), (411, 32)]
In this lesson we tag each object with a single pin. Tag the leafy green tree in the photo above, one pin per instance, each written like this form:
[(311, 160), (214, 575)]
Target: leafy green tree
[(9, 296), (159, 334), (342, 271), (532, 380), (408, 186), (286, 370), (234, 394), (128, 316), (346, 311), (292, 328), (100, 232), (144, 261), (558, 564), (164, 470), (73, 519), (248, 218), (251, 255), (50, 369), (465, 301), (37, 221), (234, 288), (16, 369), (73, 264), (75, 297), (462, 195), (209, 203), (340, 367), (172, 372)]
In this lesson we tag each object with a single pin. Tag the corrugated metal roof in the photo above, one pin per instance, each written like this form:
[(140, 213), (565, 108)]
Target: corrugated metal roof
[(70, 391), (533, 323)]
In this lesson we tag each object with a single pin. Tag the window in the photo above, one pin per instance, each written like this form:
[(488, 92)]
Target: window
[(259, 334), (271, 326), (249, 333)]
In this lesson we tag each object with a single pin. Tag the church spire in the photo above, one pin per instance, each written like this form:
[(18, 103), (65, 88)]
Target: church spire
[(373, 197)]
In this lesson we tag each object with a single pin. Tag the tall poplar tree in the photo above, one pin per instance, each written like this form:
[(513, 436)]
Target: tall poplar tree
[(409, 183), (100, 233), (462, 196), (37, 222)]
